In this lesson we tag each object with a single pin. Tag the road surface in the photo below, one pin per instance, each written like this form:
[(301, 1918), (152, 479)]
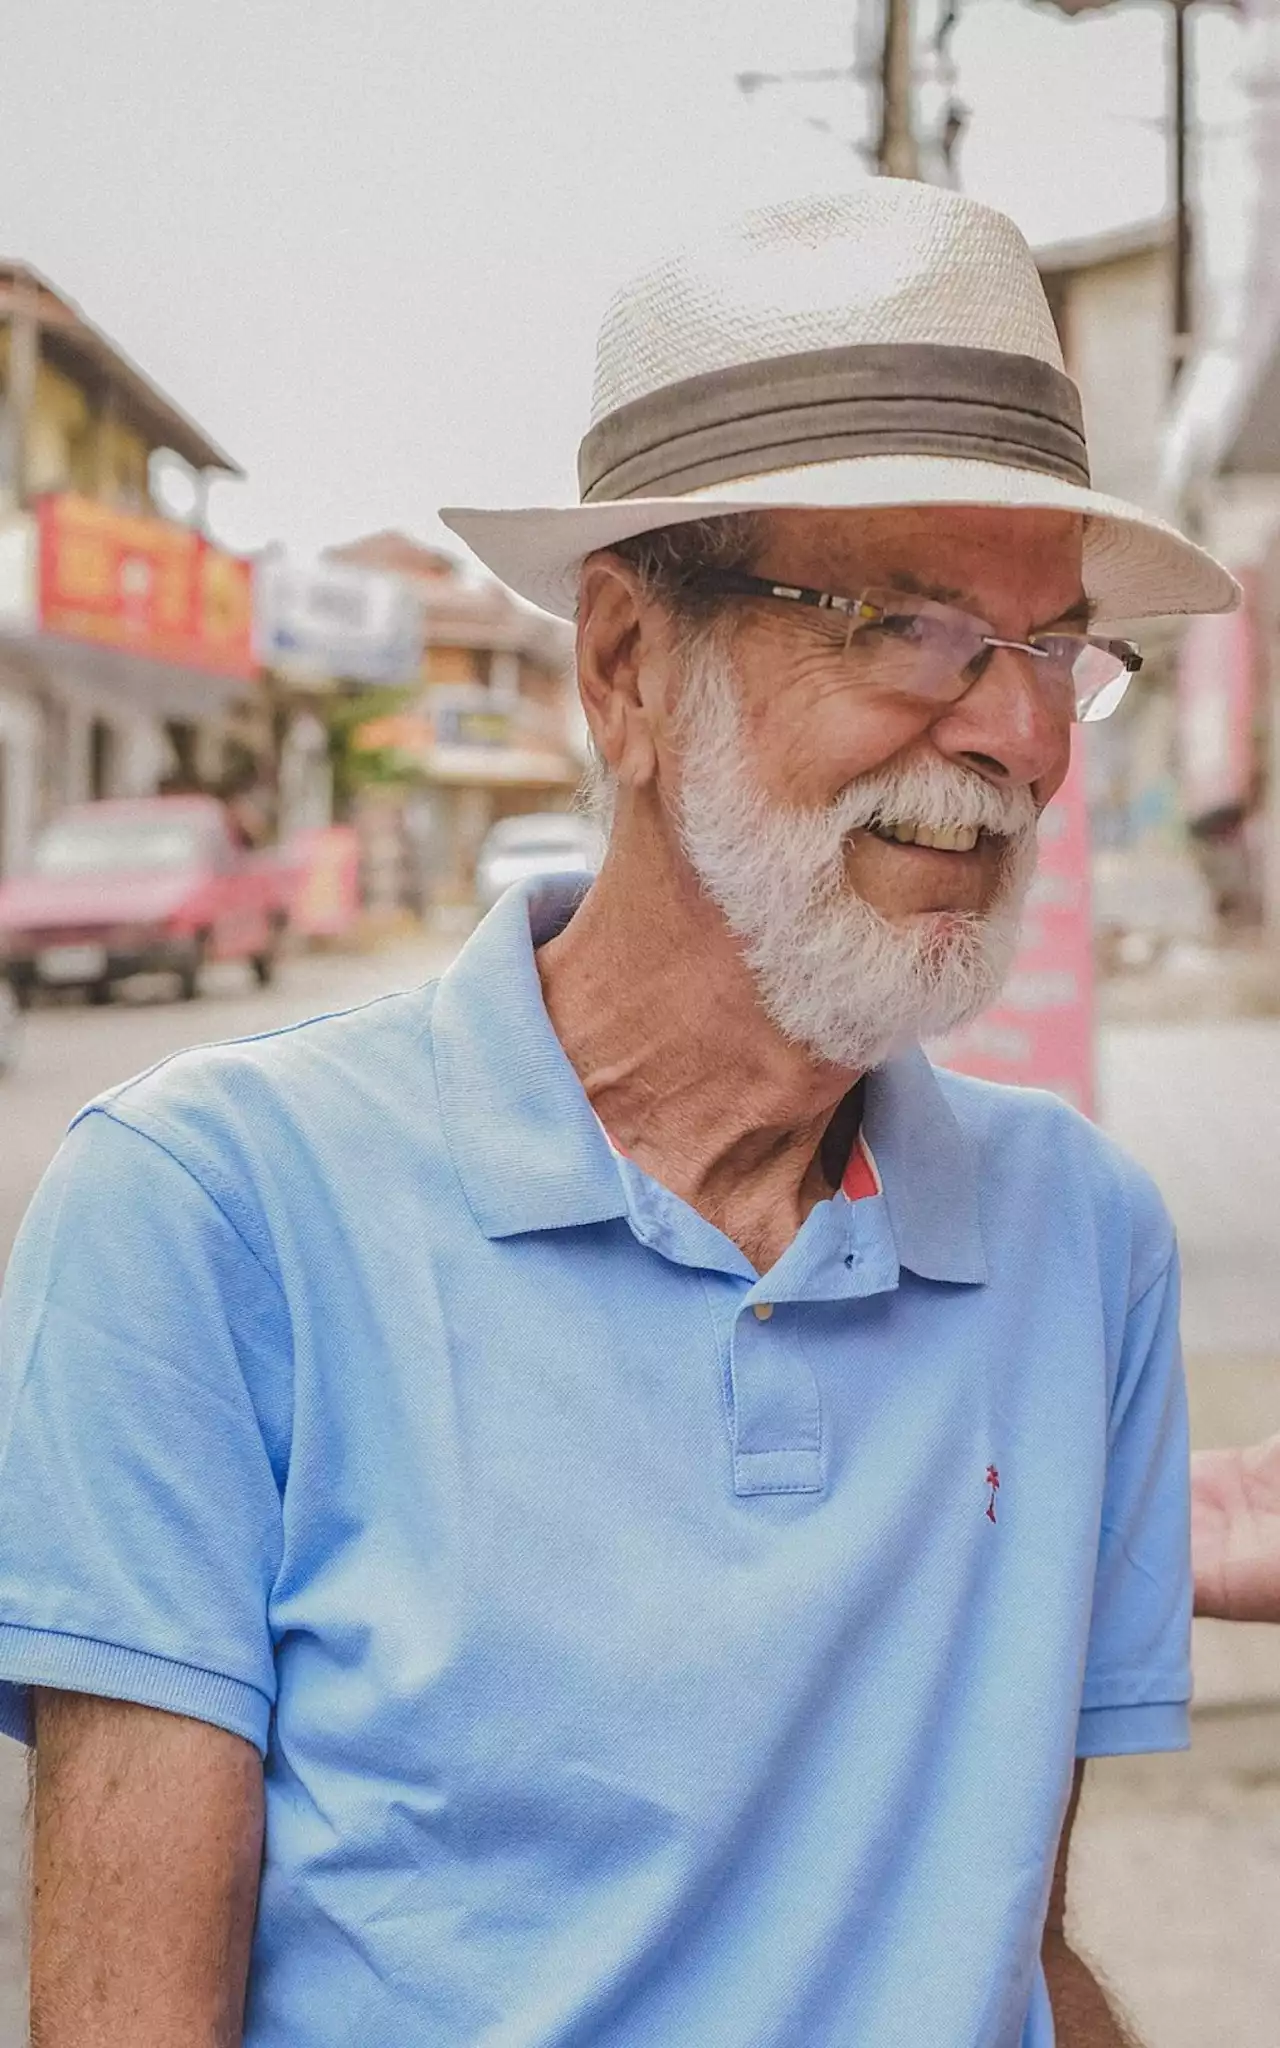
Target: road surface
[(1177, 1889)]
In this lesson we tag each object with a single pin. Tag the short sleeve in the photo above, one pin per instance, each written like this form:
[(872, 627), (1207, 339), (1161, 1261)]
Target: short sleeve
[(1138, 1672), (140, 1507)]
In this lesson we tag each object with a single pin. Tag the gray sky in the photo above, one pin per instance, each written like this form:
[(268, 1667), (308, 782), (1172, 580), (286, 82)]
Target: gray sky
[(365, 242)]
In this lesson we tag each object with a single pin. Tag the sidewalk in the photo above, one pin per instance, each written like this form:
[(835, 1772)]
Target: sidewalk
[(1175, 1886), (1197, 983)]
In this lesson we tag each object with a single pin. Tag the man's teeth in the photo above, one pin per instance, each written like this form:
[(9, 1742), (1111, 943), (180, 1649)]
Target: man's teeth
[(960, 839)]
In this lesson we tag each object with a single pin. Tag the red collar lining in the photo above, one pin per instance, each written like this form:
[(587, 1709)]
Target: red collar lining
[(861, 1175)]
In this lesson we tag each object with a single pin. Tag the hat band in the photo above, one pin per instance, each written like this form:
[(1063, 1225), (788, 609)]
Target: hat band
[(893, 398)]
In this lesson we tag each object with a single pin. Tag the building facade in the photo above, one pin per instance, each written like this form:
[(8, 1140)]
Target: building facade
[(493, 726), (1221, 475), (1112, 300), (125, 637)]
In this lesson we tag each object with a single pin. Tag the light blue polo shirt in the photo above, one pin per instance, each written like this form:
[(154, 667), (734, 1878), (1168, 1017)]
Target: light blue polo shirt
[(632, 1670)]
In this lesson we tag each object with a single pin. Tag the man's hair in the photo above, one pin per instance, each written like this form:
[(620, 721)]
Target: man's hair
[(670, 562)]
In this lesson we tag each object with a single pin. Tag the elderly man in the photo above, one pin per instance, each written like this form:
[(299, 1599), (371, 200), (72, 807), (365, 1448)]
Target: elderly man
[(652, 1491)]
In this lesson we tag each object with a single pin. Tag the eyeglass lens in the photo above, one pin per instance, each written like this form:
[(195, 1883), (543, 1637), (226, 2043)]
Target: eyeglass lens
[(923, 653)]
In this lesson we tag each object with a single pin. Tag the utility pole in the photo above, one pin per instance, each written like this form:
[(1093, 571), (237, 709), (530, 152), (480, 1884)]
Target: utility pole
[(1182, 273), (1180, 118), (897, 150), (883, 61)]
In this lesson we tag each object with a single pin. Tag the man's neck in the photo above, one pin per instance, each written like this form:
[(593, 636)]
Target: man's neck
[(649, 996)]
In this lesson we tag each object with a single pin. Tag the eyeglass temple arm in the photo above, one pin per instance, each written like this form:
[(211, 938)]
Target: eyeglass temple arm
[(1123, 649)]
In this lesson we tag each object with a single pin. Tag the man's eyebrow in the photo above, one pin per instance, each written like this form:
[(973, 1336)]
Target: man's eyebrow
[(913, 586), (1078, 614)]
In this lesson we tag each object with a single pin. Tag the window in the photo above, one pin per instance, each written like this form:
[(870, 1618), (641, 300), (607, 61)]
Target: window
[(102, 747)]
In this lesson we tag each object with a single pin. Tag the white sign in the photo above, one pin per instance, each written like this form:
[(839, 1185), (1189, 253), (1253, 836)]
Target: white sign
[(322, 621), (18, 608)]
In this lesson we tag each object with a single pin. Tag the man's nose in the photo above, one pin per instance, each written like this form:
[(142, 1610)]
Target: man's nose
[(1012, 724)]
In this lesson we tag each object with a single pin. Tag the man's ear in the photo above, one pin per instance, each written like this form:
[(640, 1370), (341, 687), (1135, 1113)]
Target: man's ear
[(618, 634)]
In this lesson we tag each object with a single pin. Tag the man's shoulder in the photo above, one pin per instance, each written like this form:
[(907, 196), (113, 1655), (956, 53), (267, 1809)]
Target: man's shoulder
[(1037, 1144), (323, 1084)]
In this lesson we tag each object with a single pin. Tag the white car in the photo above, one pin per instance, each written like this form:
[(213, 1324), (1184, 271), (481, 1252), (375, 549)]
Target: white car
[(544, 843)]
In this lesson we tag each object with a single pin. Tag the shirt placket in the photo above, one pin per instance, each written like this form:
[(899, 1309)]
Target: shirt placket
[(776, 1421), (776, 1403)]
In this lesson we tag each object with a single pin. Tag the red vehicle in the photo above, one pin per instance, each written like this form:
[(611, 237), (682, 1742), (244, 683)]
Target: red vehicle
[(139, 885)]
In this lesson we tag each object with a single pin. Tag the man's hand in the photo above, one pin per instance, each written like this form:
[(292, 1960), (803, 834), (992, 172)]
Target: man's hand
[(145, 1864), (1235, 1532)]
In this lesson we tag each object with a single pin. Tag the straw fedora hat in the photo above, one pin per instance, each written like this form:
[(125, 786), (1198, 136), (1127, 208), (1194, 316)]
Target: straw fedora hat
[(887, 346)]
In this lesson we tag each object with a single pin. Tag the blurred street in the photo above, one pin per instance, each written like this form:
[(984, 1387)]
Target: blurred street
[(1178, 1883)]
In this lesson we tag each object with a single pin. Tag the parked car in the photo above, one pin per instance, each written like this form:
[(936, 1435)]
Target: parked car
[(543, 843), (139, 885)]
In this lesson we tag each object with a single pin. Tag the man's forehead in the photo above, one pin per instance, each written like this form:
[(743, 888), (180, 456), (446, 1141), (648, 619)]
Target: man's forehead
[(1078, 611), (955, 554)]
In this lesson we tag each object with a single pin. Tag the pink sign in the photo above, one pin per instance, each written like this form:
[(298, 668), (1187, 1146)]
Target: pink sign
[(1217, 690), (1040, 1033), (326, 898)]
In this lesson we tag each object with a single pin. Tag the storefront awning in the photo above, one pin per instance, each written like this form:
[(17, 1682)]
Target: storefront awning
[(114, 679)]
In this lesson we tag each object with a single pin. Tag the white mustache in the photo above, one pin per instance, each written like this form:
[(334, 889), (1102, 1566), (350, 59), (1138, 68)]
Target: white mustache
[(932, 794)]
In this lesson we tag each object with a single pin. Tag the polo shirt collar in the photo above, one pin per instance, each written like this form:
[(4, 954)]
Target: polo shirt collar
[(525, 1142), (929, 1170), (531, 1155)]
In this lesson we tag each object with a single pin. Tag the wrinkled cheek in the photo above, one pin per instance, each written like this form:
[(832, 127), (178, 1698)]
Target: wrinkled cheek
[(807, 743)]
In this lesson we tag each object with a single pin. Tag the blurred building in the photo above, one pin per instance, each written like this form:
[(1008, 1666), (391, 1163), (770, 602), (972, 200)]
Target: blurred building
[(1221, 474), (492, 728), (1112, 300), (125, 637)]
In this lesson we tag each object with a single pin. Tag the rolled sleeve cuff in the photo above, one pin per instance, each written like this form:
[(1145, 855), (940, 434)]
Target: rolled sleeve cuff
[(1133, 1731), (65, 1663)]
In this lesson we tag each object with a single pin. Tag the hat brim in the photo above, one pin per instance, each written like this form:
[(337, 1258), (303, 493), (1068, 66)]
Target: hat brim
[(1135, 566)]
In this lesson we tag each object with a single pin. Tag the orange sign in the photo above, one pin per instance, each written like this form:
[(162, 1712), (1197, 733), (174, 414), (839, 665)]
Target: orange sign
[(137, 583), (404, 732)]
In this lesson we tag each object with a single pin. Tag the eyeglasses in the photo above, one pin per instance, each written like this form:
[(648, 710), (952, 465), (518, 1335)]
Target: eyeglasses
[(918, 648)]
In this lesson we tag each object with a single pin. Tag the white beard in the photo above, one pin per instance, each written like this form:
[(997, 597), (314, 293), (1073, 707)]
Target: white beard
[(834, 976)]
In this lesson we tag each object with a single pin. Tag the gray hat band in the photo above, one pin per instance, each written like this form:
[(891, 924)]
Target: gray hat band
[(894, 398)]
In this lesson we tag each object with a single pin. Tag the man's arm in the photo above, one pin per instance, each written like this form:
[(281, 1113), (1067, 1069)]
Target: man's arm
[(1082, 2015), (145, 1862), (1235, 1532)]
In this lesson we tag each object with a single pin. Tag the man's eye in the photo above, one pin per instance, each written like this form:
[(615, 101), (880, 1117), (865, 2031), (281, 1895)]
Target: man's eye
[(900, 626)]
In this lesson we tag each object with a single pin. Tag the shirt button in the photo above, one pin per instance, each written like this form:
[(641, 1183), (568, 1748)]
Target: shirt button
[(762, 1309)]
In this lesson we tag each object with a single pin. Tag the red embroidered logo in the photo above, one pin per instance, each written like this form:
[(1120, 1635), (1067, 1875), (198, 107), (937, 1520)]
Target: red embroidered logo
[(993, 1483)]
